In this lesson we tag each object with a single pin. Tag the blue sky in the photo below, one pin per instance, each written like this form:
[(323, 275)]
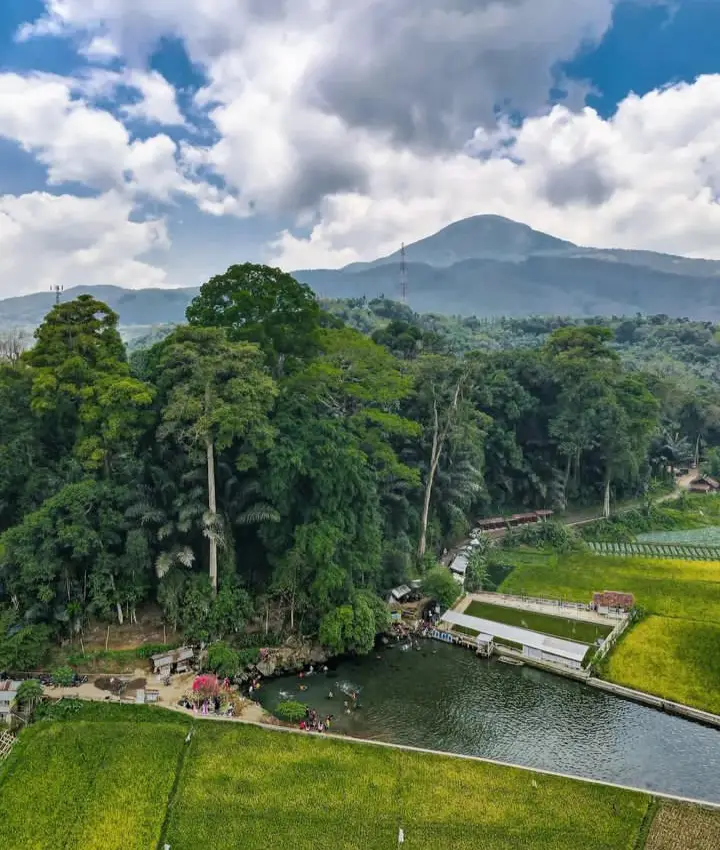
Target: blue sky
[(144, 143)]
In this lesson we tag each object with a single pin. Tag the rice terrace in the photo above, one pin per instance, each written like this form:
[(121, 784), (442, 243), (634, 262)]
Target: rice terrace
[(133, 778)]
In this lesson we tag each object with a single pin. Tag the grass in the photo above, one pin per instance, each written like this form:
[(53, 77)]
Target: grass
[(85, 783), (96, 786), (675, 659), (674, 652), (678, 827), (561, 627)]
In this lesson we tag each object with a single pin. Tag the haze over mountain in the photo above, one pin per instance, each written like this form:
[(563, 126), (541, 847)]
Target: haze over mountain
[(483, 265)]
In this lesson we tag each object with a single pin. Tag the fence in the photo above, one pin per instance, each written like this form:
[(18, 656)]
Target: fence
[(611, 640), (7, 739), (537, 601)]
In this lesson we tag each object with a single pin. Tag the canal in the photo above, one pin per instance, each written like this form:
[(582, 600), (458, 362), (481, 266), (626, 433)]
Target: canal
[(445, 698)]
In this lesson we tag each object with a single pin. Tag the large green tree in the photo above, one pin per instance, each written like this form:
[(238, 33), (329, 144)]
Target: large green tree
[(263, 305), (216, 393)]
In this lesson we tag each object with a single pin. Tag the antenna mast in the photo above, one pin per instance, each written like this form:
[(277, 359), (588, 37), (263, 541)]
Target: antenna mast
[(403, 276), (57, 289)]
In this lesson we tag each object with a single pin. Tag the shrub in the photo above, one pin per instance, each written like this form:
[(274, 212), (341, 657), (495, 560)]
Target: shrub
[(63, 676), (291, 710), (223, 659), (440, 585)]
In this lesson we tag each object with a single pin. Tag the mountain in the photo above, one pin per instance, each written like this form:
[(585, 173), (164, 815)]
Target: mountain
[(484, 265)]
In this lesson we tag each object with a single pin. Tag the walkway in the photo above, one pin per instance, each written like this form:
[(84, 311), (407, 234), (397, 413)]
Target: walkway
[(568, 649), (555, 608)]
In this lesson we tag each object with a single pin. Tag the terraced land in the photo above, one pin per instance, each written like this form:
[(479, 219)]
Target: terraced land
[(674, 652)]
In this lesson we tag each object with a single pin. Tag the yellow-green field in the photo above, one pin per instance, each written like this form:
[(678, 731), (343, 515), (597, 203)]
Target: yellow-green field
[(121, 783), (675, 659), (89, 785), (673, 653)]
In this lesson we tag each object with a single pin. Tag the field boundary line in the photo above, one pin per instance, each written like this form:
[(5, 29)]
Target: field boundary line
[(482, 759), (187, 743), (646, 824)]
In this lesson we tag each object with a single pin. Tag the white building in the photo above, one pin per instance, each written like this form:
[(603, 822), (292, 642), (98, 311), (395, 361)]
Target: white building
[(566, 653), (459, 567), (8, 692)]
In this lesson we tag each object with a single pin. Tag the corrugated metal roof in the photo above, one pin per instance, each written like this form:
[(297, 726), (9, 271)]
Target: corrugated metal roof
[(459, 564), (535, 640)]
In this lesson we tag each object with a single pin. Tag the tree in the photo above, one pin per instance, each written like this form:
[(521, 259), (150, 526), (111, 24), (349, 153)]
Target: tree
[(216, 393), (439, 584), (262, 305), (477, 569), (82, 382), (440, 386), (28, 697)]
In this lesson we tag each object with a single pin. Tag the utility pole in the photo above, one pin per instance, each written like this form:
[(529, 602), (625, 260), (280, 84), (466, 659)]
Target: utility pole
[(57, 288), (403, 276)]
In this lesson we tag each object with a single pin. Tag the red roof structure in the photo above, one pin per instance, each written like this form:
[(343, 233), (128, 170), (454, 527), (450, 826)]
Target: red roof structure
[(613, 599)]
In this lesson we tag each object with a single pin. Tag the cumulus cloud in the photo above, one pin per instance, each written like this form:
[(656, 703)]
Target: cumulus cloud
[(382, 121), (649, 177), (61, 239)]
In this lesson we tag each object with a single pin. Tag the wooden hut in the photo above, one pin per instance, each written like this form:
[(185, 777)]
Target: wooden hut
[(175, 661), (704, 484)]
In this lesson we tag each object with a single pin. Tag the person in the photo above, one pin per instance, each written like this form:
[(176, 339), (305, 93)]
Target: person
[(325, 668), (303, 725), (330, 695)]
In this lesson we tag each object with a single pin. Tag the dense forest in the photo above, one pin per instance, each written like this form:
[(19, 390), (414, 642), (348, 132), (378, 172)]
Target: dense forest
[(284, 459)]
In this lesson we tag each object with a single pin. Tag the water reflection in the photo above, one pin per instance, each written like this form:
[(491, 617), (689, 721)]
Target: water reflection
[(445, 698)]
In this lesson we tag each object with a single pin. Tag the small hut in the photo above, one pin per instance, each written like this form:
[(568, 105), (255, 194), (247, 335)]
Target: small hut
[(704, 484), (485, 645), (176, 661), (612, 600)]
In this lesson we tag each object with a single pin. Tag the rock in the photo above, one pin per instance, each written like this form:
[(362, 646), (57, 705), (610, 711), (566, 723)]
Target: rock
[(318, 655), (267, 667)]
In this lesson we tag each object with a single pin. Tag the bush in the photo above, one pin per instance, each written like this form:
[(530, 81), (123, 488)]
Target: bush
[(440, 585), (550, 533), (291, 710), (24, 648), (63, 676), (223, 660)]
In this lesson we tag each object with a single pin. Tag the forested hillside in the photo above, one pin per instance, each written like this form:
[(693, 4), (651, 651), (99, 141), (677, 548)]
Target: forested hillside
[(268, 458)]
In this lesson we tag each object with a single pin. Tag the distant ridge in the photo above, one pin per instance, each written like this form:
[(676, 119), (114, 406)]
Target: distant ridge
[(484, 265)]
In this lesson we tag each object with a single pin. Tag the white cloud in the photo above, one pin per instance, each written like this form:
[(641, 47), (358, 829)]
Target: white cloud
[(657, 162), (100, 49), (375, 120), (156, 103), (50, 239)]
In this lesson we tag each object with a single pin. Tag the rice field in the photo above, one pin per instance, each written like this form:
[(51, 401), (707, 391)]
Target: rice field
[(80, 784), (562, 627), (245, 787), (675, 659), (674, 653), (95, 786), (677, 827)]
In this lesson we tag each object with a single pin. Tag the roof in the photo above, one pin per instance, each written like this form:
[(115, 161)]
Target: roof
[(459, 564), (535, 640), (162, 659), (484, 638), (706, 479), (400, 592), (8, 685)]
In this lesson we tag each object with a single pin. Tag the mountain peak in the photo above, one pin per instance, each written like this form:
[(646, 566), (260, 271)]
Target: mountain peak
[(479, 237)]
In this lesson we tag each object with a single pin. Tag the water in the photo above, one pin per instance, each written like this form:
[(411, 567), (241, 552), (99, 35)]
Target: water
[(445, 698)]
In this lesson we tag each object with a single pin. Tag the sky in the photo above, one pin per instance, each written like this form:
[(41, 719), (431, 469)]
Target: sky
[(148, 143)]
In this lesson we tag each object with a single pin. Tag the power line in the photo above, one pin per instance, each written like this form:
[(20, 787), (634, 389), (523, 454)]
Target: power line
[(57, 288)]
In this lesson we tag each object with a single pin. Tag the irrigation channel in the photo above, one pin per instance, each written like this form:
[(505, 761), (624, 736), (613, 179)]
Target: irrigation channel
[(445, 698)]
